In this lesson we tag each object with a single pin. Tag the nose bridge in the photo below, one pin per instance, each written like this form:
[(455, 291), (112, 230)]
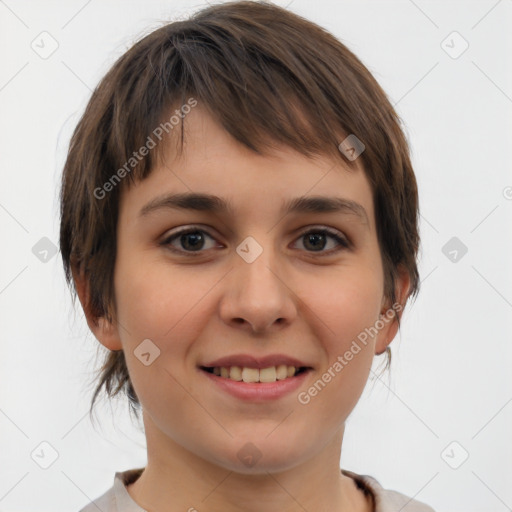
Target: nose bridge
[(257, 270), (257, 294)]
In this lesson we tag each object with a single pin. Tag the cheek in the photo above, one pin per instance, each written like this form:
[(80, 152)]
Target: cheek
[(154, 298), (167, 306), (348, 307), (347, 301), (156, 304)]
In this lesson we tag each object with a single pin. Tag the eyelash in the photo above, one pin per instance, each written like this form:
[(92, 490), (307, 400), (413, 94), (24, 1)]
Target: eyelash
[(343, 242)]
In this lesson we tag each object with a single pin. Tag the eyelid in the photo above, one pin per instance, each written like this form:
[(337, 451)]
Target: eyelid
[(344, 242)]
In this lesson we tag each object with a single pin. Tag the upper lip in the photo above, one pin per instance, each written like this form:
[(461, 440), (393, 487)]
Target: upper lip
[(248, 361)]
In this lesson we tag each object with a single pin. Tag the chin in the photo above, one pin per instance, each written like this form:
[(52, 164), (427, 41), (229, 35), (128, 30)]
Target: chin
[(253, 457)]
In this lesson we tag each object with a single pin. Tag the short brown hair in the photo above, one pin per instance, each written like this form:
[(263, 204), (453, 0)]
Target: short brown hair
[(269, 77)]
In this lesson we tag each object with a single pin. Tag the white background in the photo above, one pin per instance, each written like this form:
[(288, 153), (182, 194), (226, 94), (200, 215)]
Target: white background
[(450, 377)]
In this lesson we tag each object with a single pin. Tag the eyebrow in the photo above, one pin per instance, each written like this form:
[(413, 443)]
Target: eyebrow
[(215, 204)]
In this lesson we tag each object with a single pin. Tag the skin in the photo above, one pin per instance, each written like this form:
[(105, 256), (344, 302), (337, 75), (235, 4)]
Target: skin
[(292, 300)]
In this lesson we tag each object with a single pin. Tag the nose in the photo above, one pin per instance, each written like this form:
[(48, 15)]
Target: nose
[(257, 297)]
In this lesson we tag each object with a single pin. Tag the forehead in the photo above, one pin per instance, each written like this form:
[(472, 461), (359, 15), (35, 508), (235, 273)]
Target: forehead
[(238, 180)]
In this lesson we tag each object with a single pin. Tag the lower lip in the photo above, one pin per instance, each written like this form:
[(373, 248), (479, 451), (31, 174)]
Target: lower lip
[(258, 391)]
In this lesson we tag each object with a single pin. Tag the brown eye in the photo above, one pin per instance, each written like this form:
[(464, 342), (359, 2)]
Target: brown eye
[(188, 241), (316, 240)]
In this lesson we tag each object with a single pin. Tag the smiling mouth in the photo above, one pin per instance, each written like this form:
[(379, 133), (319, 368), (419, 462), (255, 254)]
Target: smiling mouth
[(252, 375)]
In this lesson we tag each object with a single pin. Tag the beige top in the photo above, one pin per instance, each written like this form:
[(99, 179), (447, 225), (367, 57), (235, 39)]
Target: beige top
[(117, 498)]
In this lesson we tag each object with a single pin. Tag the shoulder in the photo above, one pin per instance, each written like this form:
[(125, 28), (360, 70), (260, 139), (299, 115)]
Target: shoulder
[(387, 500), (106, 503), (117, 499)]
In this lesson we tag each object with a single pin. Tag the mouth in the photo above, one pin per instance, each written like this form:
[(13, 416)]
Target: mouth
[(251, 375)]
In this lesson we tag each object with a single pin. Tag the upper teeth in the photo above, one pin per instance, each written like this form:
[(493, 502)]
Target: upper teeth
[(245, 374)]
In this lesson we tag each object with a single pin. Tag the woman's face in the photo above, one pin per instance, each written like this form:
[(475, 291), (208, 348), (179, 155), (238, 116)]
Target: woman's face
[(255, 284)]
